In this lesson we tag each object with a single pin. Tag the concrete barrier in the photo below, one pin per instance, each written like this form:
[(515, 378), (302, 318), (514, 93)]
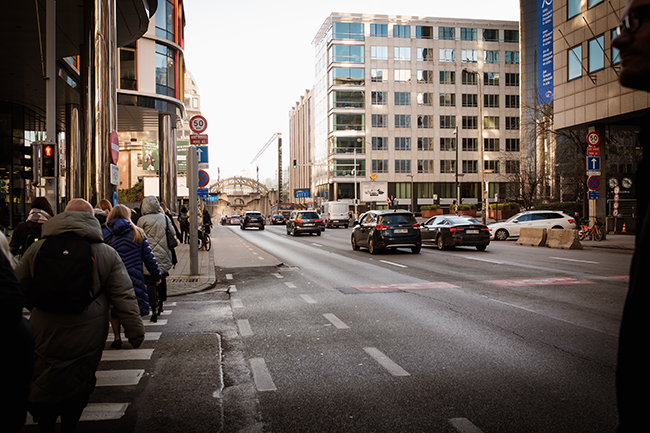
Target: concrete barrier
[(532, 237), (563, 239)]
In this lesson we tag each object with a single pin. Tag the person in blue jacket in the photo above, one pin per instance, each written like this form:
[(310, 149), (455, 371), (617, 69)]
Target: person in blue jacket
[(131, 244)]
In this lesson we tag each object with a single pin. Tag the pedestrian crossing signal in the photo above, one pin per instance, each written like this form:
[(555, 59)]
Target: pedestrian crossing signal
[(295, 164), (48, 160)]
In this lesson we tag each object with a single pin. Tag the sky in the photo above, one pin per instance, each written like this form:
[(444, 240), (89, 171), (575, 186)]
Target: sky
[(254, 59)]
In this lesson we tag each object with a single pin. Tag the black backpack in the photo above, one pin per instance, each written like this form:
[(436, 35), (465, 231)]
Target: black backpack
[(63, 275)]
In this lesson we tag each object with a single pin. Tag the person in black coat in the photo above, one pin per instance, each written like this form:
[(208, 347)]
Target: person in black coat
[(184, 221), (27, 232)]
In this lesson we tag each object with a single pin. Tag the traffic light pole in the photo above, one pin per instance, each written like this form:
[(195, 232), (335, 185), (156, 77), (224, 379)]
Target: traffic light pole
[(192, 185)]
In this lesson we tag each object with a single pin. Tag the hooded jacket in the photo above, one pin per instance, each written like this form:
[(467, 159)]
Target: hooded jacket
[(154, 222), (68, 347), (118, 233), (32, 225)]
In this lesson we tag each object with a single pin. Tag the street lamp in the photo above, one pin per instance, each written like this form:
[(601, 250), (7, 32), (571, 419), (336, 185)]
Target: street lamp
[(480, 141), (458, 198), (412, 193)]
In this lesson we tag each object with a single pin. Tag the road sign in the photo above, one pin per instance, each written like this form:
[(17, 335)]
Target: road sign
[(202, 193), (594, 195), (198, 124), (204, 178), (198, 139), (115, 147), (202, 154), (593, 163), (593, 138), (593, 151), (593, 182)]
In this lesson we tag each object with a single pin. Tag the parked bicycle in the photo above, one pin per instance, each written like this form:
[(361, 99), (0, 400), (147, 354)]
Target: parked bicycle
[(595, 231), (205, 242)]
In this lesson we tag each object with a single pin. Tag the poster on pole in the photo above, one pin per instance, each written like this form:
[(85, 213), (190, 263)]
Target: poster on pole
[(374, 191)]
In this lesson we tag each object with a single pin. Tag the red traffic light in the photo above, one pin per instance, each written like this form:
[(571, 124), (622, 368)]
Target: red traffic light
[(48, 151)]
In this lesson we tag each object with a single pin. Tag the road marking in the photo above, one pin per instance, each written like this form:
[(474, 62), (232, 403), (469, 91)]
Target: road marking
[(338, 323), (149, 336), (237, 303), (170, 304), (96, 412), (316, 245), (260, 257), (290, 285), (463, 425), (308, 299), (232, 288), (496, 262), (261, 375), (127, 355), (574, 260), (228, 276), (166, 313), (394, 264), (539, 282), (159, 322), (409, 286), (276, 275), (118, 377), (386, 362), (244, 328)]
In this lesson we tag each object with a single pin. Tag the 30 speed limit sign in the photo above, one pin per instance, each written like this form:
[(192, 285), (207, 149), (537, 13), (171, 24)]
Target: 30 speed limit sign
[(198, 124)]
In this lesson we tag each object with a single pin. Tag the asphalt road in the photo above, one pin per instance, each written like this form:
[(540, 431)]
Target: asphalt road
[(513, 339)]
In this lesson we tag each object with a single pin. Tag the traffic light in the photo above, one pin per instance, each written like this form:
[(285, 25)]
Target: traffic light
[(295, 164), (48, 160)]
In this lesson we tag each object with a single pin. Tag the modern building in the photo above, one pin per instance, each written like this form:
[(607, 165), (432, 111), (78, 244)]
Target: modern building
[(404, 106), (300, 150)]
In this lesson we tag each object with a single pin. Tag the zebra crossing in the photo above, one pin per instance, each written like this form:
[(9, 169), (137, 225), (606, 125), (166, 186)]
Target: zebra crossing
[(109, 377)]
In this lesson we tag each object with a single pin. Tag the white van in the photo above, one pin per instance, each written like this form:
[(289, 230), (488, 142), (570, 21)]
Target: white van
[(335, 213)]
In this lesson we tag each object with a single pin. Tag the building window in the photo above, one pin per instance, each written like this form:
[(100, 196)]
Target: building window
[(490, 78), (512, 166), (491, 122), (352, 31), (347, 122), (447, 122), (380, 120), (512, 101), (425, 121), (165, 71), (346, 53), (402, 53), (402, 98), (574, 61), (402, 75), (490, 35), (616, 55), (378, 98), (573, 8), (447, 99), (379, 30), (596, 53), (512, 79), (165, 20), (512, 145), (447, 77), (402, 166), (425, 99), (447, 166), (447, 144), (469, 56), (424, 32), (425, 143), (491, 166), (512, 57), (425, 54), (347, 77), (447, 55), (378, 53), (593, 3), (491, 101), (511, 36), (470, 166), (469, 79), (128, 68), (512, 123), (402, 143), (491, 144), (470, 144), (341, 99), (347, 145), (379, 143), (376, 75), (470, 122), (425, 77), (469, 100), (425, 166), (400, 31), (491, 56), (402, 121), (467, 34), (446, 33), (380, 166)]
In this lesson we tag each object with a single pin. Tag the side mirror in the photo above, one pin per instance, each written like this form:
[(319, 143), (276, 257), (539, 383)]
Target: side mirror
[(355, 223)]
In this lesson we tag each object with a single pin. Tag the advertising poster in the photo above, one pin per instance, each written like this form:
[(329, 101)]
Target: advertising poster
[(374, 191), (545, 52), (150, 158)]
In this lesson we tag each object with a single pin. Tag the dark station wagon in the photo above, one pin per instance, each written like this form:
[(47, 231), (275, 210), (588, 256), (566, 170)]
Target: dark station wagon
[(383, 229)]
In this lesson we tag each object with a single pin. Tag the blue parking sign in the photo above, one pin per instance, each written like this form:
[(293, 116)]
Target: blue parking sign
[(594, 195)]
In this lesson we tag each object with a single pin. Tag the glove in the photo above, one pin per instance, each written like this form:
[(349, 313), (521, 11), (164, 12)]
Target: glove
[(137, 341)]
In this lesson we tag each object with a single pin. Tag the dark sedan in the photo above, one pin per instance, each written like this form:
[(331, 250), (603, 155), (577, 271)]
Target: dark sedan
[(448, 231), (278, 219), (379, 230)]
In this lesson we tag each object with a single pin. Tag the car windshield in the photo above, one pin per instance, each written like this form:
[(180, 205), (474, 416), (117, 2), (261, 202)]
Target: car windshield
[(462, 220), (307, 216), (397, 219)]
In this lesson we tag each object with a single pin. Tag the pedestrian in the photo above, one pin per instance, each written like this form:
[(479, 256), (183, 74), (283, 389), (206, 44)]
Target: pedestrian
[(69, 345), (18, 356), (101, 211), (155, 224), (207, 221), (28, 232), (131, 244), (184, 222), (632, 379)]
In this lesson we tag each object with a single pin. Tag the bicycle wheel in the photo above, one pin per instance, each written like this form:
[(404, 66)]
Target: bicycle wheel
[(582, 234), (207, 242), (598, 235)]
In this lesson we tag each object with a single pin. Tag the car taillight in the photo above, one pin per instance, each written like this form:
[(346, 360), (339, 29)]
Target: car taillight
[(572, 221), (456, 229), (381, 227), (485, 230), (416, 226), (318, 221), (298, 221)]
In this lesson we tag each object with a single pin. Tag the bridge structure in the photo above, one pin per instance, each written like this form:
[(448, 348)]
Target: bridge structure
[(237, 195)]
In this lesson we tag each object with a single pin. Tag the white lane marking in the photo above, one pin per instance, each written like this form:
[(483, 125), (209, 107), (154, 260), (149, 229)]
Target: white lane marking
[(336, 321), (237, 303), (228, 276), (149, 336), (166, 313), (118, 377), (96, 412), (463, 425), (232, 288), (159, 322), (244, 328), (386, 362), (316, 245), (290, 285), (170, 304), (574, 260), (261, 375), (276, 275), (394, 264), (496, 262), (127, 355), (308, 299)]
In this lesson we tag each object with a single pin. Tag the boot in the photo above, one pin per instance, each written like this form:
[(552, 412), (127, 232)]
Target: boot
[(160, 308), (154, 317)]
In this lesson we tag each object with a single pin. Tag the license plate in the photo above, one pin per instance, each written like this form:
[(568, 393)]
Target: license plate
[(309, 224), (401, 231), (472, 232)]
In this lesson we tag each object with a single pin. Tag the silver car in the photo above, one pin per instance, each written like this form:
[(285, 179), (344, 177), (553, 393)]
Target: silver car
[(542, 219)]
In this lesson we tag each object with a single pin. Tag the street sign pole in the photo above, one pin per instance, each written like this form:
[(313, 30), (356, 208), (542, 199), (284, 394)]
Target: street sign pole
[(192, 184)]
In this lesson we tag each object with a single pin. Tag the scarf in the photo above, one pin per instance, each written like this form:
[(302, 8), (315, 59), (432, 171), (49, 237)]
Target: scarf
[(38, 216)]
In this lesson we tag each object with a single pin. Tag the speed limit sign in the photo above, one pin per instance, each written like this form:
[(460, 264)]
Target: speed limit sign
[(593, 138), (198, 124)]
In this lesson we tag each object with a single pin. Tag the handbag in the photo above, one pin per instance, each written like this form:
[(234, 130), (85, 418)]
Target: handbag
[(171, 238)]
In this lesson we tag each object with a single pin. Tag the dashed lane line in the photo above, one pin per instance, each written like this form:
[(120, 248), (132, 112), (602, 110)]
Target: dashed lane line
[(338, 323), (463, 425), (392, 367), (261, 375), (290, 285), (308, 299), (574, 260), (245, 329), (393, 264)]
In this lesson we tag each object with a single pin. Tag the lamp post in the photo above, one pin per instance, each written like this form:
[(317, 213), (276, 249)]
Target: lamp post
[(412, 195), (457, 182), (480, 141)]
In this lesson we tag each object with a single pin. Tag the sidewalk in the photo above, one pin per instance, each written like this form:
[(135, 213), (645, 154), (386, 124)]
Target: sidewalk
[(182, 282)]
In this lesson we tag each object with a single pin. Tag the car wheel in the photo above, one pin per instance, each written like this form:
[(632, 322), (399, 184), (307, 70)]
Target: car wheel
[(440, 242), (416, 249), (288, 232), (371, 246), (261, 227), (501, 235), (558, 227), (353, 240), (241, 227), (481, 247)]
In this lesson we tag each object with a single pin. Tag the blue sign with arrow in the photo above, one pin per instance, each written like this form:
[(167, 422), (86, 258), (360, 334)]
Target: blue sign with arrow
[(593, 163), (202, 154)]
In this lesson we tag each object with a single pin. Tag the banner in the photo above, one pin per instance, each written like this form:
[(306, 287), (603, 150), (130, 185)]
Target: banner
[(545, 52)]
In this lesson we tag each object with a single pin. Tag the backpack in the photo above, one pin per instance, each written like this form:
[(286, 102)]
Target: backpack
[(63, 275)]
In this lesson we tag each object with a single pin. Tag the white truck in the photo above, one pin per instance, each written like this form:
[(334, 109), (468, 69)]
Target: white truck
[(335, 213)]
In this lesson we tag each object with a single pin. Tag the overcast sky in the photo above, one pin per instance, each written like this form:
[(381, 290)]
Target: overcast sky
[(254, 59)]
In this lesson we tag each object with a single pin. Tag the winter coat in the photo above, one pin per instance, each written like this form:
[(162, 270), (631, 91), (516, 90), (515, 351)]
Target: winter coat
[(118, 233), (35, 220), (101, 215), (184, 220), (68, 347), (153, 222)]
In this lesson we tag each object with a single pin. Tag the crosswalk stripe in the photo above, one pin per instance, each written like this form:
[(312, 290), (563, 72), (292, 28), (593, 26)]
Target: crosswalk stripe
[(336, 321), (237, 303), (149, 336), (463, 425), (96, 412), (308, 299), (118, 377), (127, 355), (160, 322), (386, 362)]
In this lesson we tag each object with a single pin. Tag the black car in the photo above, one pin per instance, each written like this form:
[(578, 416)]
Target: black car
[(252, 219), (278, 219), (448, 231), (382, 229), (304, 221)]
